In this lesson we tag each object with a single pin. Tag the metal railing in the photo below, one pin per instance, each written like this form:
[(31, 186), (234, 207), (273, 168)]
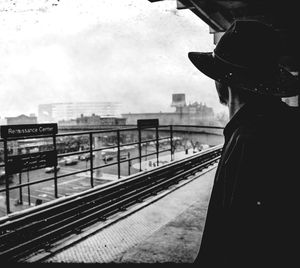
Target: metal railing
[(23, 234), (116, 143)]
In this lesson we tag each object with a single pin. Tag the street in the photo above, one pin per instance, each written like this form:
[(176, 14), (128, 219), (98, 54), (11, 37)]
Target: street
[(69, 185)]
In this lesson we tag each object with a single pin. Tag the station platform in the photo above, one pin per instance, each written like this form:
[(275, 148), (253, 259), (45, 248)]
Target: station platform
[(166, 228)]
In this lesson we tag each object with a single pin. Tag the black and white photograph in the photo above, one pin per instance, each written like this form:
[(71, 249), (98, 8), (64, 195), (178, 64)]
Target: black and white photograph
[(160, 132)]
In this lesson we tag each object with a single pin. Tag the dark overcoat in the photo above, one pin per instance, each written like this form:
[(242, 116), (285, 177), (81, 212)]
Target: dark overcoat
[(252, 218)]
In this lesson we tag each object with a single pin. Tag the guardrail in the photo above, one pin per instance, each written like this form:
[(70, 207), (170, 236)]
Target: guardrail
[(117, 142), (21, 234)]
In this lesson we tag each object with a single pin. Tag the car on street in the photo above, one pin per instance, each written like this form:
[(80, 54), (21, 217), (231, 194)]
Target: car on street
[(108, 158), (51, 169), (71, 160), (2, 177), (86, 156)]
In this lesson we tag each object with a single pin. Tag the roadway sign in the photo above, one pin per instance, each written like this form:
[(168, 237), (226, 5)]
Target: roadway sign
[(27, 162), (27, 130), (147, 123)]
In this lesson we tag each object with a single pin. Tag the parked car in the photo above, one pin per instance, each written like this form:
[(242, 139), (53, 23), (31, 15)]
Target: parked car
[(51, 169), (2, 177), (108, 158), (86, 156), (70, 161)]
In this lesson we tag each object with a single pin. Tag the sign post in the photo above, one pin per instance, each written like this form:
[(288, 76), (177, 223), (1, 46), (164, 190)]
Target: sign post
[(6, 178), (55, 165), (26, 162), (142, 124)]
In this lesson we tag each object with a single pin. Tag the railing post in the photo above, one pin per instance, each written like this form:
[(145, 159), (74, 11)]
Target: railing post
[(129, 163), (20, 189), (118, 144), (55, 167), (171, 142), (28, 189), (6, 177), (157, 146), (140, 148), (91, 160)]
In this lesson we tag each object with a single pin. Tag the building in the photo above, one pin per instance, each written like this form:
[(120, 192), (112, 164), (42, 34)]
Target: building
[(21, 119), (191, 114), (197, 108), (54, 112), (93, 120), (3, 121), (178, 101), (100, 120)]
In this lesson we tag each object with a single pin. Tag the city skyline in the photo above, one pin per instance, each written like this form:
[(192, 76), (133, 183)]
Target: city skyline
[(68, 112), (99, 108), (102, 51)]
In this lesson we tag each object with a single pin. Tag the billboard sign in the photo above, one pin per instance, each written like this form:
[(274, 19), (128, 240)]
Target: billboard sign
[(178, 100)]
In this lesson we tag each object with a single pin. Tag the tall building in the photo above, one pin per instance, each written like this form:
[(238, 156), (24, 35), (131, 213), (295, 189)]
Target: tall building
[(54, 112)]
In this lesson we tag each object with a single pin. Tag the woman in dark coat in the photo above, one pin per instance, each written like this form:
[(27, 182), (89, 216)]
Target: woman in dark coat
[(252, 218)]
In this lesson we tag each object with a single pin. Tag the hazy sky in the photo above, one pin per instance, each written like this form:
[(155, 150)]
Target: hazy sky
[(128, 51)]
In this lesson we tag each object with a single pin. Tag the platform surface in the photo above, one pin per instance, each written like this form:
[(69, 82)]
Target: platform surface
[(166, 230)]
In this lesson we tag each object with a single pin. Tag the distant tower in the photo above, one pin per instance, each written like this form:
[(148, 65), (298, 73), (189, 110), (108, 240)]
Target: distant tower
[(178, 101)]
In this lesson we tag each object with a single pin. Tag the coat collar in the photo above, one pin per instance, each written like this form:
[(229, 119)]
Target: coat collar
[(252, 111)]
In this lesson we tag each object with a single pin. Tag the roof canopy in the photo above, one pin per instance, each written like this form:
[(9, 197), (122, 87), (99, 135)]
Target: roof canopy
[(282, 15)]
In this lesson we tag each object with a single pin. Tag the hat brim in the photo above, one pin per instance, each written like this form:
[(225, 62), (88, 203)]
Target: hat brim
[(283, 84)]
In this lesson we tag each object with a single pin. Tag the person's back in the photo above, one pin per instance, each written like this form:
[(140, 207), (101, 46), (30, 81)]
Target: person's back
[(253, 220), (264, 200), (252, 215)]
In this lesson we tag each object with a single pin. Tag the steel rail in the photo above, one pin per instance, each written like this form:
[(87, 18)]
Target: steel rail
[(46, 211), (46, 206), (22, 235), (109, 196)]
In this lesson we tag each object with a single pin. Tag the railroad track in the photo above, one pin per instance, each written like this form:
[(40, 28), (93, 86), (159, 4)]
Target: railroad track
[(25, 233)]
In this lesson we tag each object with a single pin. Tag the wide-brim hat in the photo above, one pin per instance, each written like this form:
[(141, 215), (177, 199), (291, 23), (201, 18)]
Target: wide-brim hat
[(247, 57)]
